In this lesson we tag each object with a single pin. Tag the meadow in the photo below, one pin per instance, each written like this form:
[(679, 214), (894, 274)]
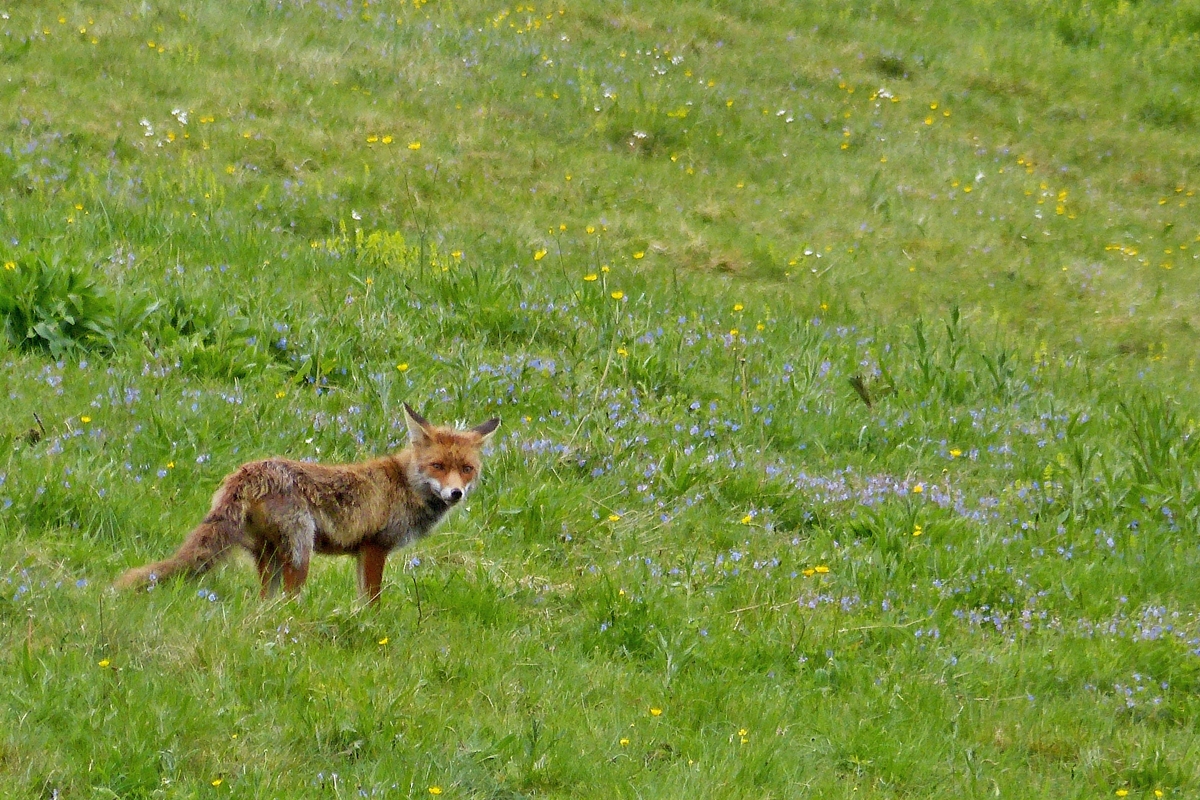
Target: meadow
[(846, 358)]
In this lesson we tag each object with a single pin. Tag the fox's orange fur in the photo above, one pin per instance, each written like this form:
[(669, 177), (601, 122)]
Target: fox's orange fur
[(283, 511)]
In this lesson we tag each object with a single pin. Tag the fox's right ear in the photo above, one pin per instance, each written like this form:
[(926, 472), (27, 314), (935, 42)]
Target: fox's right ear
[(418, 426), (486, 429)]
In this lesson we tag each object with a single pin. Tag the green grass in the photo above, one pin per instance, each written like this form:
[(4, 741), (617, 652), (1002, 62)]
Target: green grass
[(820, 475)]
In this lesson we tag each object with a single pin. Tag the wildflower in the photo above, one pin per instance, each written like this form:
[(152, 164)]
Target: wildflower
[(280, 394), (402, 367), (414, 145), (809, 572), (640, 254), (733, 331), (744, 734), (655, 712), (604, 268), (1122, 792), (383, 641), (591, 276), (85, 419), (372, 139), (617, 295), (917, 530), (621, 351), (104, 662), (918, 489), (614, 518), (624, 742), (435, 790), (217, 781), (10, 265), (746, 520), (539, 254), (955, 453), (821, 569), (590, 229), (738, 306)]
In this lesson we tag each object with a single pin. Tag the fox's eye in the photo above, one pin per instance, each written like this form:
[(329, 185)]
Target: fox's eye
[(439, 466), (467, 469)]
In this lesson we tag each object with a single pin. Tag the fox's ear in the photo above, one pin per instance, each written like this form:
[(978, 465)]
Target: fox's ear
[(487, 429), (418, 426)]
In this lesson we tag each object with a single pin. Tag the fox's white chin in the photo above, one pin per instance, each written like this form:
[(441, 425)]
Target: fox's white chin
[(447, 494)]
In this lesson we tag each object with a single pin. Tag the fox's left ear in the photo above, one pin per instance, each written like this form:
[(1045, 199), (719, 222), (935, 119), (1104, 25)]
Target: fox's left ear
[(487, 429)]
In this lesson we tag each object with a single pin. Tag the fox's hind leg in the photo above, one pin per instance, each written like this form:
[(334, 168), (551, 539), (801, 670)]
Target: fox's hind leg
[(283, 525), (270, 569)]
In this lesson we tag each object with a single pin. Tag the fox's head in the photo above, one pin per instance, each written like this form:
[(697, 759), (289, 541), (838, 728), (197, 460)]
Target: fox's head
[(446, 461)]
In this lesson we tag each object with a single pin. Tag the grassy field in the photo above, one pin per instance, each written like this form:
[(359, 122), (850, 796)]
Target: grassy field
[(846, 357)]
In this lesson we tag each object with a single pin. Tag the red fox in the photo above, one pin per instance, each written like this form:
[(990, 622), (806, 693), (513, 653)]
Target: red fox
[(283, 511)]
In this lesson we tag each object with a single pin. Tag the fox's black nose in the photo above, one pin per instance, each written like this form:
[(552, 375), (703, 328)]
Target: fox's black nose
[(455, 495)]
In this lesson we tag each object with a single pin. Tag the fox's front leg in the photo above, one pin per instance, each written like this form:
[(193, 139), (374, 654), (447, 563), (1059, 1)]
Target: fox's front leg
[(371, 558)]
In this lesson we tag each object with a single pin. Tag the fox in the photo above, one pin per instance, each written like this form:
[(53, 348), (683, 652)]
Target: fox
[(283, 511)]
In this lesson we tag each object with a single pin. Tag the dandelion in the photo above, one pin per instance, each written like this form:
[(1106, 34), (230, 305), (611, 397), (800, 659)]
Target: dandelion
[(85, 419), (538, 255), (280, 394), (955, 453), (916, 530), (621, 351), (624, 742), (617, 295), (809, 572), (414, 145), (614, 518), (217, 781), (655, 712), (383, 641), (821, 570), (738, 306), (745, 735), (918, 489), (10, 265), (403, 367), (640, 254), (104, 662), (746, 520), (1122, 792), (590, 229), (733, 331), (386, 140), (591, 276), (372, 139), (435, 790)]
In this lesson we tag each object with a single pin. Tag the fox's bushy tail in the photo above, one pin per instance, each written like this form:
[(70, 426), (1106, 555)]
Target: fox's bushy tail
[(204, 548)]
